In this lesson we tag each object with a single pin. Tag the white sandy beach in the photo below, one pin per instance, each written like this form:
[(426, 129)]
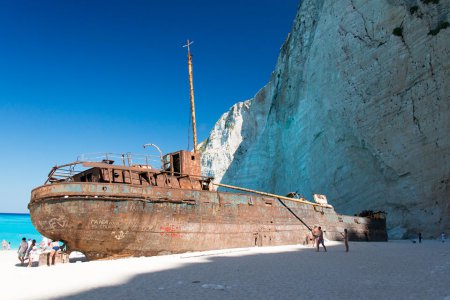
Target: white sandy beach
[(393, 270)]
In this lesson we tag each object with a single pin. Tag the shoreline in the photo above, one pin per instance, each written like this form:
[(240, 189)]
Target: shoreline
[(394, 269)]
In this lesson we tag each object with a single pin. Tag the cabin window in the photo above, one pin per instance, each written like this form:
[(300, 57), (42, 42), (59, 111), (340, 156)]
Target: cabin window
[(205, 185), (143, 177), (86, 178), (116, 177), (192, 157), (166, 166), (176, 163)]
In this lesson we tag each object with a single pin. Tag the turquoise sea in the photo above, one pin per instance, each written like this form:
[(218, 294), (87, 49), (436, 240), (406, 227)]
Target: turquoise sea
[(13, 227)]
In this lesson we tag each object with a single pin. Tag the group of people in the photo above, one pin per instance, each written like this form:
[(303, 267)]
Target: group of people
[(317, 237), (29, 251), (6, 245), (442, 237)]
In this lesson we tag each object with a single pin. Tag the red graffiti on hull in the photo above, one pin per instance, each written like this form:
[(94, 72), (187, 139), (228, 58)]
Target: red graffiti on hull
[(170, 230)]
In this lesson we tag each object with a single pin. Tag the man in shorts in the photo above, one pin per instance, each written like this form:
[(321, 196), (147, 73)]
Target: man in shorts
[(320, 239), (22, 250)]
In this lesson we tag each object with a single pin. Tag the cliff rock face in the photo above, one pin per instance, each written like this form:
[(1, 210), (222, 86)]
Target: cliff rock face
[(358, 108)]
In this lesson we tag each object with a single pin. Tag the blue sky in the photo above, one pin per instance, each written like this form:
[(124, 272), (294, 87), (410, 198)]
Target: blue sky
[(108, 76)]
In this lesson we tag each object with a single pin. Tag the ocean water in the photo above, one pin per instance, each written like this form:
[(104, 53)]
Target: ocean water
[(13, 227)]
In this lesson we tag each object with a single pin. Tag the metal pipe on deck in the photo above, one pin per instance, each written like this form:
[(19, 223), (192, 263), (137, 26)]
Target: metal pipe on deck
[(160, 153), (269, 195)]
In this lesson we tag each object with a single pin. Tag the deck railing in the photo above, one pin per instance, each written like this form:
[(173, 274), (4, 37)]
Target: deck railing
[(67, 171), (125, 159)]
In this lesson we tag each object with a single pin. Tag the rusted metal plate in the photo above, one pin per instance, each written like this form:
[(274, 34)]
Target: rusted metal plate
[(108, 220)]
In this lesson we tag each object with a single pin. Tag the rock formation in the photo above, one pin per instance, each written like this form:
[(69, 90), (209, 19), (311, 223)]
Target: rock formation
[(358, 108)]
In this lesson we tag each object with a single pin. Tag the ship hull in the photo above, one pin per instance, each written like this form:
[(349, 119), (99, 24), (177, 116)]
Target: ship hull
[(117, 220)]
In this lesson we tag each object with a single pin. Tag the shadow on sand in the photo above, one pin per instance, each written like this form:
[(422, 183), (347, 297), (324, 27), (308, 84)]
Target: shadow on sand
[(301, 273)]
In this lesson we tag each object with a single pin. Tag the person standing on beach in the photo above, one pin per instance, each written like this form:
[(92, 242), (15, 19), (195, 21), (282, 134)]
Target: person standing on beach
[(22, 250), (420, 237), (44, 245), (30, 247), (442, 237), (33, 254), (53, 252), (345, 239), (320, 239), (4, 245), (311, 237), (315, 236)]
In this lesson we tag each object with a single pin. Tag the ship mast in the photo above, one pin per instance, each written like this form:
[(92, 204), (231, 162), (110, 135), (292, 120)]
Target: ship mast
[(191, 86)]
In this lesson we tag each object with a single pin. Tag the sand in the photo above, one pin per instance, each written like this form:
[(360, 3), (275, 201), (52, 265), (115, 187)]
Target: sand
[(392, 270)]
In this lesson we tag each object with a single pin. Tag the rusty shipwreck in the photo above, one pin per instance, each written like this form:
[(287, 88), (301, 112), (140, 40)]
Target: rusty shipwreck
[(120, 205)]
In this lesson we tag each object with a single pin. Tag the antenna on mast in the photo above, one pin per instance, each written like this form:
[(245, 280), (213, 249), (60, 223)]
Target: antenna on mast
[(191, 86)]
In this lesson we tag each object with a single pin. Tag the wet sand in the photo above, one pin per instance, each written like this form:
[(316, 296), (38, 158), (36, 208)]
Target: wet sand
[(393, 270)]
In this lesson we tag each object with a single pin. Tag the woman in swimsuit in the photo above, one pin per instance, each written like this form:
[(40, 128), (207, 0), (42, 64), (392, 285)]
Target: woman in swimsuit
[(55, 248)]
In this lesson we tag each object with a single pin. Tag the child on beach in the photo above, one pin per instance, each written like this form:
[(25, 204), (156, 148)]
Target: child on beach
[(33, 255)]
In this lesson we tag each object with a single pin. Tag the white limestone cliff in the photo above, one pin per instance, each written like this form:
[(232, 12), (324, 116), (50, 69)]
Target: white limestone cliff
[(219, 149), (358, 108)]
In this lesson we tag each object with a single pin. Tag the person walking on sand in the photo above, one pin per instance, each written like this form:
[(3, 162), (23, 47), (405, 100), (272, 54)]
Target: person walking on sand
[(22, 250), (420, 237), (442, 237), (346, 239), (320, 239)]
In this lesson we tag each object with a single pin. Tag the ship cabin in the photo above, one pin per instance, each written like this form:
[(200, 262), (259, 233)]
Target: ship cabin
[(179, 169)]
